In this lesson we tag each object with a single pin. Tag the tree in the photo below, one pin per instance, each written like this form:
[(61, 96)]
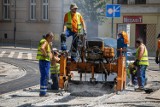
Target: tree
[(93, 12)]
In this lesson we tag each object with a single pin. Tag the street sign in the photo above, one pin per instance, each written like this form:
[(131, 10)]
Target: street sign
[(113, 10)]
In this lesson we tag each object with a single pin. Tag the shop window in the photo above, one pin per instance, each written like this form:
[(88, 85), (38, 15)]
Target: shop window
[(6, 9), (32, 9), (122, 1), (140, 1), (45, 9)]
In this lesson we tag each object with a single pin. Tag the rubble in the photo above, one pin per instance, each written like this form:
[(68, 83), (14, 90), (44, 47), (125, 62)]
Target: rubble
[(86, 95)]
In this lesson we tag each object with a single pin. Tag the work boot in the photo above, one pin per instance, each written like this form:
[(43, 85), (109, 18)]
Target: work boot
[(45, 95), (135, 86), (139, 89)]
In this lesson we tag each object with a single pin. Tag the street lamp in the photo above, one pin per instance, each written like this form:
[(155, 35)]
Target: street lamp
[(112, 24)]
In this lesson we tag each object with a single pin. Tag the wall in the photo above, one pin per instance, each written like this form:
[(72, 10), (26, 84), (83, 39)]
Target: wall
[(152, 1), (35, 29), (104, 30), (32, 30)]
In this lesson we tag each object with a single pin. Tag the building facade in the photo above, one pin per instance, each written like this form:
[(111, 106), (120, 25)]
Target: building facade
[(139, 18), (30, 19)]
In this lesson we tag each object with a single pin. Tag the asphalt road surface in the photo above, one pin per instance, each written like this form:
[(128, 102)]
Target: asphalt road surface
[(31, 78)]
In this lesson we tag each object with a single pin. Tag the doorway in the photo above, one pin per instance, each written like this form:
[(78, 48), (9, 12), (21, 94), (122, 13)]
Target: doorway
[(141, 32)]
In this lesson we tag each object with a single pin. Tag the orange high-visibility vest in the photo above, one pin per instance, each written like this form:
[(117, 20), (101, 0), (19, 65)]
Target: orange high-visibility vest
[(125, 36), (69, 22)]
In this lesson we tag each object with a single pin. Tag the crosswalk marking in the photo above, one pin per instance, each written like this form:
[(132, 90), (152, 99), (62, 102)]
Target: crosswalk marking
[(3, 52), (20, 55), (29, 56), (11, 54)]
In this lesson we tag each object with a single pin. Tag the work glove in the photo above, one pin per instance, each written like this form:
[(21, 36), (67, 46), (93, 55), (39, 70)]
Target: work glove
[(157, 60), (136, 62), (84, 32)]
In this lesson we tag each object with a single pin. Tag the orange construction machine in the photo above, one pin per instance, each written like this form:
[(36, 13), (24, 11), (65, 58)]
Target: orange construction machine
[(93, 57)]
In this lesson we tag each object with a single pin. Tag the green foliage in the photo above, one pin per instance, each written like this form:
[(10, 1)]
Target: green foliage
[(92, 10)]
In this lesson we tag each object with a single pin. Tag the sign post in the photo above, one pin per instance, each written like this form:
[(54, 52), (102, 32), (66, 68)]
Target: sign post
[(113, 10)]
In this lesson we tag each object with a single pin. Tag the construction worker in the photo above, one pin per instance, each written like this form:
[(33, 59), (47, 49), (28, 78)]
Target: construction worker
[(44, 55), (131, 73), (157, 60), (122, 42), (73, 24), (54, 70), (141, 63)]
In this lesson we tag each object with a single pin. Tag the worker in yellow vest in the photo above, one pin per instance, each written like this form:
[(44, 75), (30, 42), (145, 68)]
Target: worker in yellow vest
[(44, 56), (141, 62), (157, 59), (73, 24), (55, 70), (131, 73)]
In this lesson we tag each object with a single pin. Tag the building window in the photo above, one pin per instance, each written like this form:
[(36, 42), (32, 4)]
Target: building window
[(45, 9), (32, 9), (140, 1), (122, 1), (6, 9)]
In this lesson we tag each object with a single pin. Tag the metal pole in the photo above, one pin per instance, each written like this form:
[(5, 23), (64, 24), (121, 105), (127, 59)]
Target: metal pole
[(14, 35), (62, 13), (112, 23)]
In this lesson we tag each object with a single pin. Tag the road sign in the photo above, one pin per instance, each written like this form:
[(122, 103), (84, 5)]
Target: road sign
[(113, 10)]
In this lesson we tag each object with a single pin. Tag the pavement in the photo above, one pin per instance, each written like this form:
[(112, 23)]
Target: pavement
[(9, 72), (84, 95), (80, 95)]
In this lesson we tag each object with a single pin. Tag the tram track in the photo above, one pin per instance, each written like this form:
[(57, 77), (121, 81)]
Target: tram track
[(31, 78)]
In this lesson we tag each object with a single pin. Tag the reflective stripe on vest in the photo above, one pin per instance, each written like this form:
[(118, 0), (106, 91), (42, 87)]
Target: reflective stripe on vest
[(144, 59), (54, 69), (69, 22), (40, 55)]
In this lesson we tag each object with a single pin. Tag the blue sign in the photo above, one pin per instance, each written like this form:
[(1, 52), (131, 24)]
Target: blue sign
[(113, 10)]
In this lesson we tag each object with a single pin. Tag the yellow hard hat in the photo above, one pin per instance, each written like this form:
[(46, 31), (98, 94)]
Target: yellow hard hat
[(73, 6)]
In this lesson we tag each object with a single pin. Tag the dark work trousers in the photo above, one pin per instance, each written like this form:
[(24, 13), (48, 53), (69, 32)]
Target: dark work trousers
[(55, 78), (134, 79), (141, 72), (74, 44), (44, 67)]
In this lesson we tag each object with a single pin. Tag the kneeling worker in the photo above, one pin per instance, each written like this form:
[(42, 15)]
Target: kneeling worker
[(131, 73), (54, 70)]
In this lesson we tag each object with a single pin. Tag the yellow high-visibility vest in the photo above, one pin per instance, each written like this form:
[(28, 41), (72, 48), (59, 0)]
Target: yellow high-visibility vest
[(54, 69), (69, 22), (144, 59), (40, 55)]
